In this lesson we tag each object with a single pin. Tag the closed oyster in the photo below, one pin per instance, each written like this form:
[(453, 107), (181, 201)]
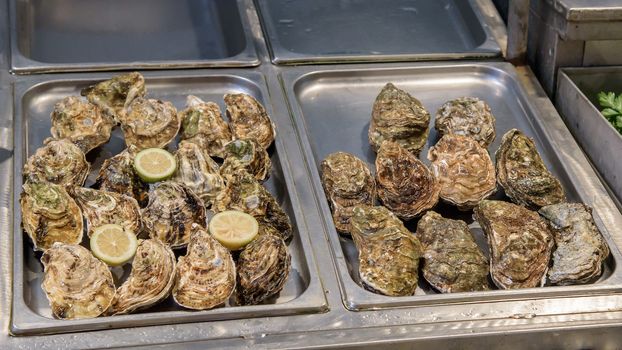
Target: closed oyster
[(116, 94), (467, 116), (347, 183), (249, 119), (102, 207), (398, 117), (77, 284), (246, 155), (202, 124), (60, 162), (388, 253), (198, 172), (171, 211), (150, 123), (263, 267), (464, 170), (117, 175), (81, 122), (522, 173), (151, 279), (50, 215), (452, 260), (520, 244), (405, 185), (205, 276), (580, 248)]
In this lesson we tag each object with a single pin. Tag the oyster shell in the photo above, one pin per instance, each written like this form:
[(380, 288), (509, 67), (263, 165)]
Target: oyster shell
[(150, 123), (452, 260), (60, 162), (115, 95), (81, 122), (523, 175), (246, 155), (205, 276), (77, 284), (171, 211), (263, 268), (117, 175), (405, 185), (580, 248), (151, 279), (50, 215), (464, 170), (388, 253), (202, 124), (520, 244), (249, 119), (467, 116), (347, 182), (399, 117), (198, 172)]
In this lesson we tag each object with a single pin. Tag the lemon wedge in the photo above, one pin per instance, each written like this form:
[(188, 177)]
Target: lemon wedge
[(113, 244), (154, 164), (233, 229)]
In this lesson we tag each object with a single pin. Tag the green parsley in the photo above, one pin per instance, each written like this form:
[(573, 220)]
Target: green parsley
[(612, 108)]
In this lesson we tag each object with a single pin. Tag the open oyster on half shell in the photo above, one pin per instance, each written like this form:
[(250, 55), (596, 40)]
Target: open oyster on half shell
[(115, 95), (246, 155), (117, 175), (202, 123), (60, 162), (150, 123), (249, 119), (467, 116), (198, 171)]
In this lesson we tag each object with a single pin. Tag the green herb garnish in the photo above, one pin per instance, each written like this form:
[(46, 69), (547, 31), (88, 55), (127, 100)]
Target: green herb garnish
[(612, 108)]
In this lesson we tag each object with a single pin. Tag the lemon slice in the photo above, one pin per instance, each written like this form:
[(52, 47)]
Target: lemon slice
[(113, 245), (233, 229), (154, 164)]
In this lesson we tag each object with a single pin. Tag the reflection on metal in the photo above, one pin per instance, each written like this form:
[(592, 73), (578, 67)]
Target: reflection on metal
[(518, 22)]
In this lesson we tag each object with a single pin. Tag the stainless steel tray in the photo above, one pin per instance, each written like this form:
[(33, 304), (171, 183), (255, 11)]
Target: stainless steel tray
[(74, 35), (34, 100), (331, 110), (360, 30)]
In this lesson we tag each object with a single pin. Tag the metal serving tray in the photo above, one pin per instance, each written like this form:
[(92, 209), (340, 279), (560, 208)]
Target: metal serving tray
[(331, 109), (75, 35), (299, 31), (34, 100)]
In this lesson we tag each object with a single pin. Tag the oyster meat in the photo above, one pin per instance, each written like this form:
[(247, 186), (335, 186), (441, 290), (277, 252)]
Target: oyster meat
[(246, 155), (202, 124), (60, 162), (463, 169), (77, 284), (388, 253), (150, 123), (467, 116), (452, 260), (520, 244), (405, 185), (580, 248), (198, 171), (205, 276), (249, 119), (50, 215), (117, 175), (115, 95), (347, 182), (398, 117), (523, 175)]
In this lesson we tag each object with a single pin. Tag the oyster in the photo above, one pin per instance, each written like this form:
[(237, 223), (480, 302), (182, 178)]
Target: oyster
[(467, 116), (452, 260), (151, 279), (522, 173), (398, 117), (405, 185), (150, 123), (115, 95), (50, 215), (347, 182), (117, 175), (171, 211), (246, 155), (60, 162), (198, 172), (580, 248), (101, 207), (202, 124), (388, 253), (249, 119), (263, 268), (81, 122), (520, 244), (205, 276), (77, 284), (464, 170)]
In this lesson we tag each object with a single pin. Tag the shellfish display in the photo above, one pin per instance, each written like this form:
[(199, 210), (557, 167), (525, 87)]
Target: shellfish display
[(467, 116), (198, 171), (150, 123), (202, 123), (246, 155), (59, 162), (249, 119), (115, 95), (117, 175)]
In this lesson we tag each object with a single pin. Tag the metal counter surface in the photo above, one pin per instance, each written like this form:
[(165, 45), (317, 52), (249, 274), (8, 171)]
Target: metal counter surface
[(588, 10)]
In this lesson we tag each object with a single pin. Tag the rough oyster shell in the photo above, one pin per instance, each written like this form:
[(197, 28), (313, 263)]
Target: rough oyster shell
[(202, 124), (399, 117), (347, 182), (464, 170), (205, 276), (249, 119), (50, 215), (60, 162), (115, 95), (405, 185), (246, 155), (198, 171), (388, 253), (452, 260), (520, 244), (522, 173), (263, 268), (117, 175), (150, 123), (467, 116), (580, 248), (77, 284)]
